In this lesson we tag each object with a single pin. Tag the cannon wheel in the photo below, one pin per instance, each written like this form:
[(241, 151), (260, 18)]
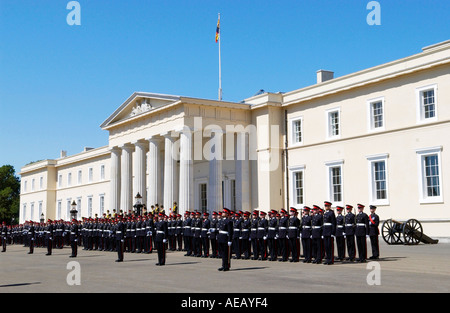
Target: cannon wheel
[(412, 232), (390, 235)]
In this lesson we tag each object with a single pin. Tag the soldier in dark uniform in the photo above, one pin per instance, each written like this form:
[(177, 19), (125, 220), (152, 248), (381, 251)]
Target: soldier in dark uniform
[(140, 232), (283, 225), (261, 234), (224, 237), (271, 233), (292, 233), (120, 231), (316, 235), (213, 235), (245, 234), (236, 243), (197, 241), (253, 234), (305, 234), (31, 238), (48, 230), (161, 235), (349, 235), (328, 233), (374, 222), (3, 233), (340, 229), (361, 233), (149, 229), (204, 234), (74, 238), (171, 232), (187, 233), (179, 233)]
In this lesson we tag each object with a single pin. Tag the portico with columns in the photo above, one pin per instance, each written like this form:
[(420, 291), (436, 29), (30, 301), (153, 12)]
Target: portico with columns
[(167, 148)]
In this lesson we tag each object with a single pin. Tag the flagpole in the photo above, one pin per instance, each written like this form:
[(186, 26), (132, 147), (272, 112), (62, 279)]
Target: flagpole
[(220, 67)]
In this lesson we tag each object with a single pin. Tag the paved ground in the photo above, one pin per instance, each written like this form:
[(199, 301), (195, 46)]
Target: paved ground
[(422, 268)]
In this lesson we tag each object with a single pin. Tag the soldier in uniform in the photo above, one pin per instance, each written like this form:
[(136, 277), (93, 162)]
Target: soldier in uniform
[(213, 235), (340, 229), (305, 234), (237, 226), (253, 234), (204, 234), (316, 235), (120, 231), (149, 228), (261, 234), (179, 233), (349, 234), (292, 234), (74, 238), (245, 235), (31, 238), (161, 235), (48, 230), (224, 237), (3, 234), (283, 225), (271, 233), (197, 241), (187, 233), (374, 222), (361, 233), (328, 233)]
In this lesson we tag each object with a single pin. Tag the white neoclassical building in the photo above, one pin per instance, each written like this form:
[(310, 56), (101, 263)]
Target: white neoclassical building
[(378, 136)]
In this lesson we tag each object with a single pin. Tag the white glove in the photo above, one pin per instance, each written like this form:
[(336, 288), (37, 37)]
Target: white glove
[(265, 237), (164, 240), (287, 237), (367, 236), (121, 240), (76, 240), (229, 243), (322, 237)]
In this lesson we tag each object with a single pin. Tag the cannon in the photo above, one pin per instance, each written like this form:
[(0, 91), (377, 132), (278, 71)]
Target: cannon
[(408, 233)]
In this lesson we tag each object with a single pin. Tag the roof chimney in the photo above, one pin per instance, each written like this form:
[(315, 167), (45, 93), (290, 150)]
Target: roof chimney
[(323, 76), (63, 153)]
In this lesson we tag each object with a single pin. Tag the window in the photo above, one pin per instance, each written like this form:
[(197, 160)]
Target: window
[(32, 184), (296, 185), (58, 214), (91, 174), (233, 194), (68, 208), (333, 124), (426, 103), (69, 179), (378, 185), (79, 206), (102, 204), (25, 186), (102, 172), (41, 183), (203, 198), (335, 182), (89, 206), (32, 211), (59, 180), (80, 177), (376, 114), (40, 209), (24, 211), (296, 131), (430, 175)]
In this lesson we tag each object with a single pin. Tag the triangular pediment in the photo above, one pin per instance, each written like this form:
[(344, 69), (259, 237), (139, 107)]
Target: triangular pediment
[(137, 104)]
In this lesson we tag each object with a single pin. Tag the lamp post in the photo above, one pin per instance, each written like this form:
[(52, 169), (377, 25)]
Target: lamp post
[(73, 212), (138, 204)]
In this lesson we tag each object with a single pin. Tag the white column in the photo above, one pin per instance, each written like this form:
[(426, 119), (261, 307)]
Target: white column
[(139, 169), (242, 172), (153, 162), (126, 186), (214, 188), (186, 192), (115, 179), (169, 170)]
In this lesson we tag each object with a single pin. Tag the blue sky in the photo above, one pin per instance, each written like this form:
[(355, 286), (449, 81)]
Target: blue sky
[(58, 83)]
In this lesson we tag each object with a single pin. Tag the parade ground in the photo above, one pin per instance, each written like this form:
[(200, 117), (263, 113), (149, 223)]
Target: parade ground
[(421, 268)]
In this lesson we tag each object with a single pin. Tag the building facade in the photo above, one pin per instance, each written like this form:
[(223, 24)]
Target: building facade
[(378, 136)]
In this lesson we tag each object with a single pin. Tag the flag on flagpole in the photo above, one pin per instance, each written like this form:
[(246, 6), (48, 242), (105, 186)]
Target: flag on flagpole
[(218, 29)]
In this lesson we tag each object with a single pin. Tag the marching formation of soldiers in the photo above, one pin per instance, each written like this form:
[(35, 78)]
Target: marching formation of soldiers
[(227, 235)]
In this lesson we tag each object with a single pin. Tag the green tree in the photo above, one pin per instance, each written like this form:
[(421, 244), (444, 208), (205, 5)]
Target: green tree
[(9, 194)]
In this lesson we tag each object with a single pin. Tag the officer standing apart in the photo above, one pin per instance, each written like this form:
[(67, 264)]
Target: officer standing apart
[(374, 221), (74, 238), (162, 233), (224, 236), (361, 232)]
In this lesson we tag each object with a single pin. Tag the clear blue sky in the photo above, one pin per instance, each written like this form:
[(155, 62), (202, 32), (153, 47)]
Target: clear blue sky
[(58, 83)]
